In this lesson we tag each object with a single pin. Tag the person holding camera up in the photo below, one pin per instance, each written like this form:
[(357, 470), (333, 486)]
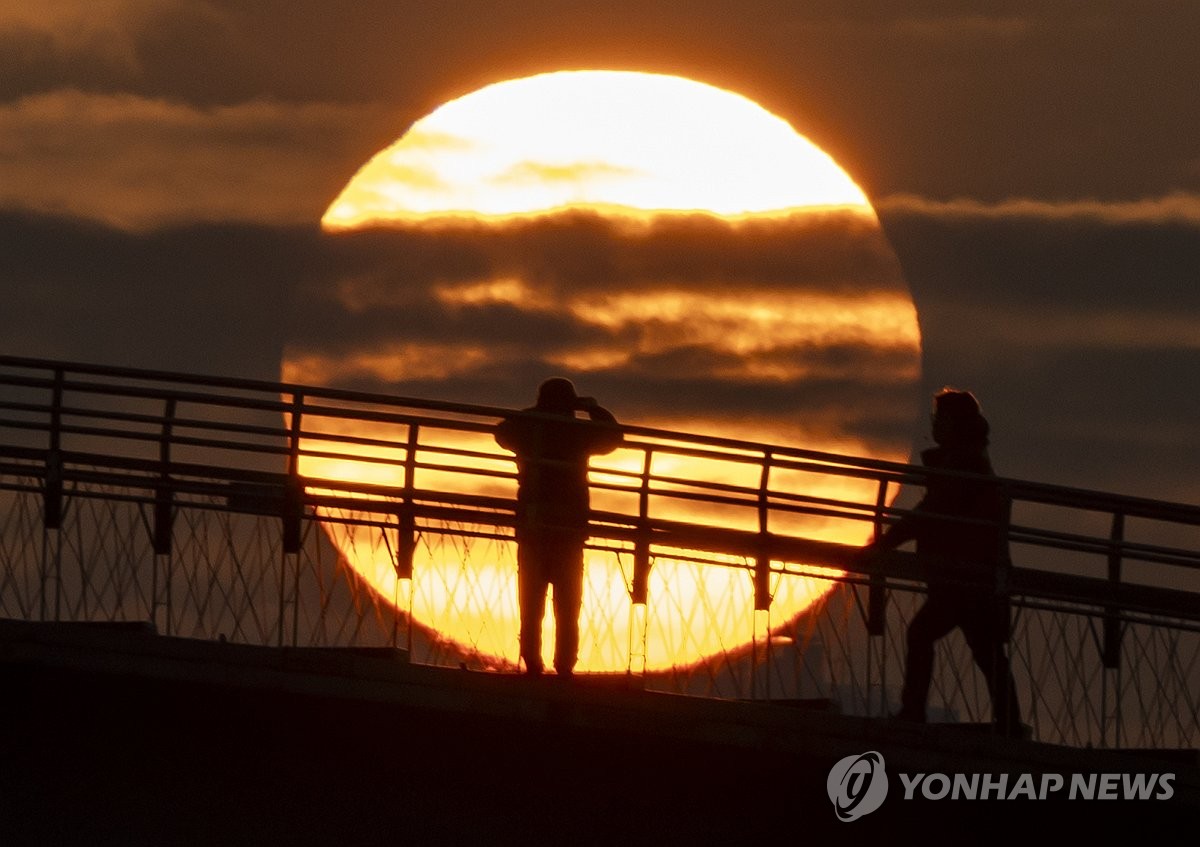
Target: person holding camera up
[(553, 447)]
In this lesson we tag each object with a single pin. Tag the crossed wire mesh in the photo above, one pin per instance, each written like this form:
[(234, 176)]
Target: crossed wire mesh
[(228, 577)]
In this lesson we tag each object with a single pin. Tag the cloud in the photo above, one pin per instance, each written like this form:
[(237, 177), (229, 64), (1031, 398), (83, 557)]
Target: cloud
[(136, 162), (540, 173), (1121, 420), (794, 328), (151, 48), (73, 22), (392, 363), (1088, 257), (783, 365), (198, 298), (791, 277), (1076, 324), (1176, 208), (1087, 102), (958, 27), (319, 327), (1079, 391), (231, 298), (1013, 96), (578, 251), (1079, 326)]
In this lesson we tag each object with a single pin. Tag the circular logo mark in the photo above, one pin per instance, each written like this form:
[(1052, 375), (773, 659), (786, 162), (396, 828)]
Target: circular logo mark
[(857, 785)]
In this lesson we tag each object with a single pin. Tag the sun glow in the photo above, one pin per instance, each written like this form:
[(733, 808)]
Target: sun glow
[(633, 149), (694, 610), (608, 140)]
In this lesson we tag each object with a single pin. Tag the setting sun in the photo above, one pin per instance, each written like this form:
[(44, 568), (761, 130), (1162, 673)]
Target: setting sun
[(599, 139), (677, 246)]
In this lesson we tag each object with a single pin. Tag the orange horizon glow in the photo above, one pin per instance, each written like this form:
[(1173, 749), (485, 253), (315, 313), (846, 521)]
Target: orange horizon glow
[(629, 148)]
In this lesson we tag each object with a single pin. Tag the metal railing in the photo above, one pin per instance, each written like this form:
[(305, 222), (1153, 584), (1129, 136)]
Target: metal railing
[(267, 512)]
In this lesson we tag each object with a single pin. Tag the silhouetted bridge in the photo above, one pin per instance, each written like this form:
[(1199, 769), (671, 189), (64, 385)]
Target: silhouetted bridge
[(287, 515)]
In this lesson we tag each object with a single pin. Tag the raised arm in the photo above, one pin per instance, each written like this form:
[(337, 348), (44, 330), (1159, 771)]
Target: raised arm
[(610, 437)]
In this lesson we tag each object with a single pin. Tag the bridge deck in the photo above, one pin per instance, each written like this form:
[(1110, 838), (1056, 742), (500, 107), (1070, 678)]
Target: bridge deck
[(169, 740)]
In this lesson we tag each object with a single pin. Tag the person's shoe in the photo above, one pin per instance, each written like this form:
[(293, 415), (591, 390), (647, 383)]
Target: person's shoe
[(564, 675), (532, 671)]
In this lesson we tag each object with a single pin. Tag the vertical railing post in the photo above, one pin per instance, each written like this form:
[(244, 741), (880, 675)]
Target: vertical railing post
[(407, 546), (640, 588), (164, 516), (1113, 627), (293, 495), (52, 492), (406, 543), (762, 563), (52, 506), (641, 546), (761, 636), (877, 588), (163, 493), (1002, 651), (293, 513), (877, 608)]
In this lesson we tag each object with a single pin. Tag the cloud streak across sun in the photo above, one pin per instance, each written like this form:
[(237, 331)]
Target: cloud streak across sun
[(800, 323)]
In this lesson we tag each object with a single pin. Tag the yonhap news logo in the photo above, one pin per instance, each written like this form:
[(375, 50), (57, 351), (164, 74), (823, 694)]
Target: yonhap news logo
[(857, 785)]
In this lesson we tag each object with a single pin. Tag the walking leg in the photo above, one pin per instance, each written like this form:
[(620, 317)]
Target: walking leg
[(983, 636), (930, 623)]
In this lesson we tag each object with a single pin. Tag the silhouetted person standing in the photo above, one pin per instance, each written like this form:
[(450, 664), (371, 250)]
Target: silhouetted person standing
[(553, 449), (960, 527)]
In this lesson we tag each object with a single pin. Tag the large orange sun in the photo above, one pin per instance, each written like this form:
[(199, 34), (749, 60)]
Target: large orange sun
[(599, 139), (645, 157)]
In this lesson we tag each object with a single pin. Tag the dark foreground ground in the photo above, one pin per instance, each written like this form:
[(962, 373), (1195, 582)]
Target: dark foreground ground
[(113, 735)]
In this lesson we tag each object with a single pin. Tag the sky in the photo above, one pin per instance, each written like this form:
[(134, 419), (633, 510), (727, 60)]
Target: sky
[(1035, 167)]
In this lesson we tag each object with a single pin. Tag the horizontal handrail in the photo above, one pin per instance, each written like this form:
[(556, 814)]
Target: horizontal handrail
[(1021, 489), (322, 410)]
